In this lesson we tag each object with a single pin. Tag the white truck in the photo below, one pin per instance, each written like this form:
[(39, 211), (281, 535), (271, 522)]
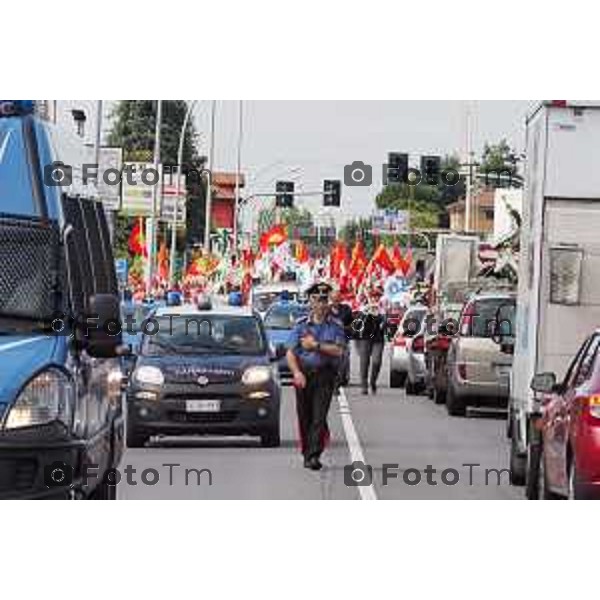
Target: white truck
[(558, 301)]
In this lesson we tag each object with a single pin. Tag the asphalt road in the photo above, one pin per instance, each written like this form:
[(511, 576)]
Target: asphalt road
[(410, 434)]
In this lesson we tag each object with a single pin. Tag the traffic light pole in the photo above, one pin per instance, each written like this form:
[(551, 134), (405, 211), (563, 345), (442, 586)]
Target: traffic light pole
[(244, 201)]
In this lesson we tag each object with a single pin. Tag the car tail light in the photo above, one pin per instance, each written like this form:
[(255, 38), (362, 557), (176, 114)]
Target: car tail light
[(418, 344), (462, 370), (466, 323), (594, 406), (400, 341)]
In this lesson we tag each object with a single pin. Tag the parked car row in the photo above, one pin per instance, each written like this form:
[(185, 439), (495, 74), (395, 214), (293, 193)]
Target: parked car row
[(455, 360)]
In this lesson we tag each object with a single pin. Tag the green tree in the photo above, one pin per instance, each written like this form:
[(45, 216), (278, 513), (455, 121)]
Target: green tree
[(292, 217), (500, 159), (134, 123), (421, 201), (358, 229)]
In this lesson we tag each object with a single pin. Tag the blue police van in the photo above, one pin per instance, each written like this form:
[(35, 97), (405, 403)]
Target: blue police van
[(61, 418)]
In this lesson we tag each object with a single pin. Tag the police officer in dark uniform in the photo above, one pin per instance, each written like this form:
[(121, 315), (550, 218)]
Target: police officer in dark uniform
[(315, 349)]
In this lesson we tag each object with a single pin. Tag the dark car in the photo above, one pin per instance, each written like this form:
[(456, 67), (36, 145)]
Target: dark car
[(204, 372), (279, 322)]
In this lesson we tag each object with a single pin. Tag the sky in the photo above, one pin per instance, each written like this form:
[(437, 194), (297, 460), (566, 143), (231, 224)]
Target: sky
[(308, 141)]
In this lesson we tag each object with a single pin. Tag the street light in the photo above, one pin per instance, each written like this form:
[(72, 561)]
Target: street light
[(211, 150), (155, 198), (186, 119)]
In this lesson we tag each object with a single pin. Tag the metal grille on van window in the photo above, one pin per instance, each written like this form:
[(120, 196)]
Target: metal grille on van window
[(565, 275), (96, 249), (109, 263), (74, 216), (30, 283)]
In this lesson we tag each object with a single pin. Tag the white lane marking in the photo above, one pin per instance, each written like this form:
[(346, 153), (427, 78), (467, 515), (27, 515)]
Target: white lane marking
[(367, 492), (20, 343)]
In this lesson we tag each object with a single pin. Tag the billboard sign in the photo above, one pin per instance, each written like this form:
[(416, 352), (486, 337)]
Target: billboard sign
[(110, 159), (137, 193), (391, 221)]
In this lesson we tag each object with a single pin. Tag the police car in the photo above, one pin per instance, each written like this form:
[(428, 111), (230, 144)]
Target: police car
[(203, 371)]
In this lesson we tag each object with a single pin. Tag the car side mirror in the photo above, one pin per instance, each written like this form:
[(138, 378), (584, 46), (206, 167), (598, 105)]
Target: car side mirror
[(543, 383), (503, 327), (103, 327)]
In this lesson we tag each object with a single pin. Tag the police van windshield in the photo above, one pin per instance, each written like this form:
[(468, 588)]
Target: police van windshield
[(204, 334), (16, 192)]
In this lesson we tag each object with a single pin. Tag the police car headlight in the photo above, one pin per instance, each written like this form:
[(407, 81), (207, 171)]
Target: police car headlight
[(256, 375), (152, 376), (50, 396)]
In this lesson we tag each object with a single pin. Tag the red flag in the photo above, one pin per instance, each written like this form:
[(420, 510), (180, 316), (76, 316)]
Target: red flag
[(273, 237), (407, 262), (163, 261), (397, 257), (358, 262), (248, 258), (338, 258), (137, 240), (302, 252), (382, 259)]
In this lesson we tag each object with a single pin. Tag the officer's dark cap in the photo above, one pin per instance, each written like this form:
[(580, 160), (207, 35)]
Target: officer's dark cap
[(321, 288)]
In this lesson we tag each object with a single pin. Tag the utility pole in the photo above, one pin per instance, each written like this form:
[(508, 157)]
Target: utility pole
[(186, 119), (211, 166), (470, 165), (153, 220), (237, 176)]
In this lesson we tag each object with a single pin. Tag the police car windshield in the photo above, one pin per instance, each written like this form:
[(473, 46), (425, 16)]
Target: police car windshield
[(16, 193), (204, 334), (284, 316)]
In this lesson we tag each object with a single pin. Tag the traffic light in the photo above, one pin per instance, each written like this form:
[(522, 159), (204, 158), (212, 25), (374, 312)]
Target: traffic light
[(284, 191), (430, 169), (332, 192), (397, 167)]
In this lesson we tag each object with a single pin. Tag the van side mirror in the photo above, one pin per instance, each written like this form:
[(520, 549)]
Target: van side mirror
[(103, 327), (544, 383)]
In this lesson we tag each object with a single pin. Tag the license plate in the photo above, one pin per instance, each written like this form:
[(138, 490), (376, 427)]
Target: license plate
[(202, 405)]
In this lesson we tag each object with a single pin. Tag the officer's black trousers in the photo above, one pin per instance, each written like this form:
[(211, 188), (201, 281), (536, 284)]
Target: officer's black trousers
[(312, 406)]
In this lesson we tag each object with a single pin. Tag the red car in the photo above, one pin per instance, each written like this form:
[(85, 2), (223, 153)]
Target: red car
[(569, 452)]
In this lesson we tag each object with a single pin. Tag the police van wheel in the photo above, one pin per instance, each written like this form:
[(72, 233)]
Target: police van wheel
[(271, 439)]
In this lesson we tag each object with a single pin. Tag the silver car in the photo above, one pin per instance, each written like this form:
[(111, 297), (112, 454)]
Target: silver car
[(401, 363), (474, 358)]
